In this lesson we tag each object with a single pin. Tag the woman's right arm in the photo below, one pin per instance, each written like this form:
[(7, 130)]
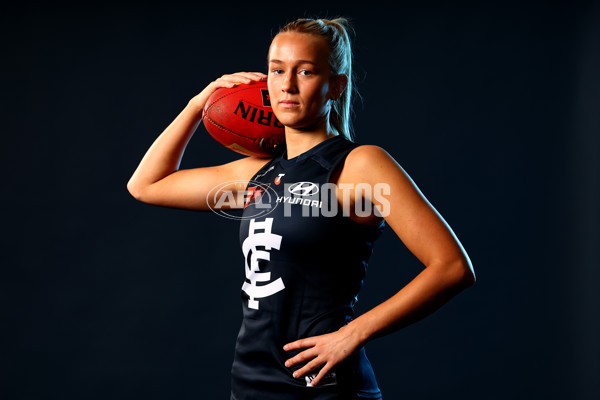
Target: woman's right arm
[(158, 180)]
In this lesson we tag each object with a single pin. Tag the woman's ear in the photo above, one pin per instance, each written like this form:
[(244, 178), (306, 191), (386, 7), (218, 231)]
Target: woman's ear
[(338, 86)]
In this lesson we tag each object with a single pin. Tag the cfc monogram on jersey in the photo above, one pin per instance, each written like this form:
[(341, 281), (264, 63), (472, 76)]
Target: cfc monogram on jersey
[(257, 247)]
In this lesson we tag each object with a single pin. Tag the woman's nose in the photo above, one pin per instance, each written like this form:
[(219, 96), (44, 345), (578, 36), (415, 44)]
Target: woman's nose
[(289, 85)]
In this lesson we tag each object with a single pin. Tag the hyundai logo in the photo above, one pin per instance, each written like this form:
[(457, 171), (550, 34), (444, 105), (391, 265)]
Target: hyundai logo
[(304, 189)]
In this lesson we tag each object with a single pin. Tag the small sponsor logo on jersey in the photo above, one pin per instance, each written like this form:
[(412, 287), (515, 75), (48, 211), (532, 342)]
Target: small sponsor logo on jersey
[(304, 189), (278, 179), (254, 193), (266, 98), (328, 380)]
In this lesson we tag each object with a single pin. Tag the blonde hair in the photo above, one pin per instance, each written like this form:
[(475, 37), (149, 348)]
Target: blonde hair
[(335, 33)]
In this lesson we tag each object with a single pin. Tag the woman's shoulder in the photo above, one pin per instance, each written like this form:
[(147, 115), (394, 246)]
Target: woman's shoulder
[(367, 155), (368, 162)]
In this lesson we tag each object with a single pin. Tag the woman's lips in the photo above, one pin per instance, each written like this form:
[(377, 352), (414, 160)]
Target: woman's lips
[(288, 104)]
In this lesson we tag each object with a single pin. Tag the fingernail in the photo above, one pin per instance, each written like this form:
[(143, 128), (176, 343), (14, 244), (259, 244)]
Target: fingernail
[(295, 374)]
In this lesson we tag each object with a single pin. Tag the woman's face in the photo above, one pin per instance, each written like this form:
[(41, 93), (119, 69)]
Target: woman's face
[(299, 79)]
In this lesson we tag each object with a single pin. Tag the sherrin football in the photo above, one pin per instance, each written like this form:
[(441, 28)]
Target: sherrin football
[(241, 119)]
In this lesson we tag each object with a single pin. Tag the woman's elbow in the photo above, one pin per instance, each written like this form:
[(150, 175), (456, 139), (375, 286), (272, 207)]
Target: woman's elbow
[(135, 190), (460, 272), (465, 274)]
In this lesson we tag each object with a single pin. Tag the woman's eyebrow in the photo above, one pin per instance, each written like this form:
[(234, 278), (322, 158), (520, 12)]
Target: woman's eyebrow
[(296, 62)]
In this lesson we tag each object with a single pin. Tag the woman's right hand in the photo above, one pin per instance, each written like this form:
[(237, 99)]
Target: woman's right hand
[(227, 81)]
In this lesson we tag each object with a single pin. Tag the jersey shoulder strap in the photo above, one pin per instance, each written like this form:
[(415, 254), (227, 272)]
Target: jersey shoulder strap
[(334, 154)]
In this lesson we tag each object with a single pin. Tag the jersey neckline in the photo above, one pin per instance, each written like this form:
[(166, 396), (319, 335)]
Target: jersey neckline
[(302, 156)]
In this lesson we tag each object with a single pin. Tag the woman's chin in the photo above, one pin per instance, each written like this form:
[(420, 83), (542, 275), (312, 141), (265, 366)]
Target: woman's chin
[(299, 125)]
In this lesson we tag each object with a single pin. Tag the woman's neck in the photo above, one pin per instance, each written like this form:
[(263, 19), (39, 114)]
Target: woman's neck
[(298, 141)]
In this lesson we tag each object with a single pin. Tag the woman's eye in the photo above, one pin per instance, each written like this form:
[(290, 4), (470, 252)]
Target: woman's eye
[(305, 72), (276, 71)]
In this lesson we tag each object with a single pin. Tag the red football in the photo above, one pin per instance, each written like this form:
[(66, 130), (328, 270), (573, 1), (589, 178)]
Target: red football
[(241, 119)]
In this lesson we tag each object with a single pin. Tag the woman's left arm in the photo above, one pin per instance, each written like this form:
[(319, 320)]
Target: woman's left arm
[(447, 271)]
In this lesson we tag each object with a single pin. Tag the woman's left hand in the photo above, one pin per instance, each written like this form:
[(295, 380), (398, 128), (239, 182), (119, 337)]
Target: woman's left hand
[(327, 350)]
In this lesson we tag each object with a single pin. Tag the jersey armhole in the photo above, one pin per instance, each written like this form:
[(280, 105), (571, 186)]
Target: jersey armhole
[(334, 170), (338, 163)]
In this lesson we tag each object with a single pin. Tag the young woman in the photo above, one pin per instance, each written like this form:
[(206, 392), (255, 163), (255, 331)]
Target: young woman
[(299, 338)]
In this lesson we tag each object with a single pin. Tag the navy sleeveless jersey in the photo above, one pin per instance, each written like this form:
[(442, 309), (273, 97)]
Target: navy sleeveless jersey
[(304, 266)]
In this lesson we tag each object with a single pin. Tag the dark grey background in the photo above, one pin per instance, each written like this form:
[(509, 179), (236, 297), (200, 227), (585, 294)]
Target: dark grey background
[(493, 109)]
